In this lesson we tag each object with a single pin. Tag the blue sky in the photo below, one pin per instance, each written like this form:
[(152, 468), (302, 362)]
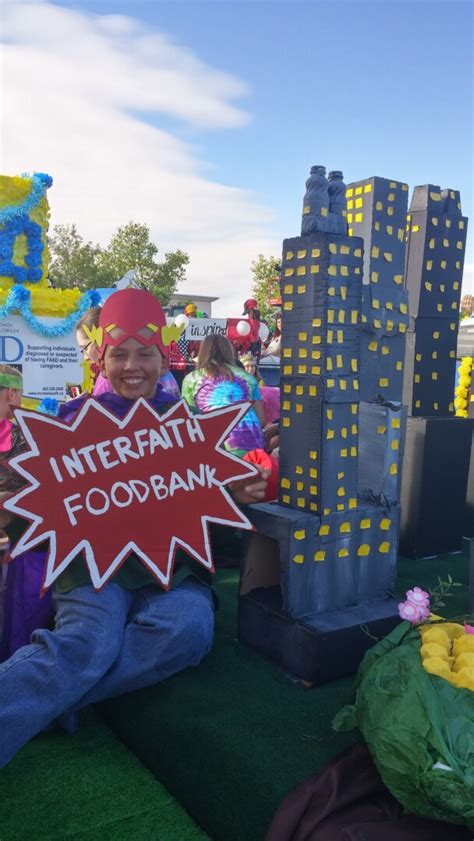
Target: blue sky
[(372, 88)]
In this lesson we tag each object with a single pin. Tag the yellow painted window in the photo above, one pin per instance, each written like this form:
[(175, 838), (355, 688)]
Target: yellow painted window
[(363, 550)]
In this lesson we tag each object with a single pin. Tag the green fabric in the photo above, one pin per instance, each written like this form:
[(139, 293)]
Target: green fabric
[(88, 787), (412, 720), (232, 737), (228, 739), (11, 381), (247, 734)]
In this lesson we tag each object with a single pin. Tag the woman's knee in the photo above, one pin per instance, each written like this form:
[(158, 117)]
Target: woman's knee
[(79, 649), (201, 633), (195, 626)]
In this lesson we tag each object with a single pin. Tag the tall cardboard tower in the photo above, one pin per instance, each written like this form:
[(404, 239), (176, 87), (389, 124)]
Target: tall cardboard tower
[(438, 443), (332, 537)]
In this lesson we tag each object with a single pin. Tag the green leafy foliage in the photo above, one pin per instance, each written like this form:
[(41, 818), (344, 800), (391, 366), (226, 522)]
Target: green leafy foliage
[(266, 283), (76, 263), (418, 727)]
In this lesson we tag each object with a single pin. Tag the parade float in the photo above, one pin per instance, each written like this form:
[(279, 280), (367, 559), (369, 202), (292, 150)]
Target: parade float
[(318, 589), (36, 321)]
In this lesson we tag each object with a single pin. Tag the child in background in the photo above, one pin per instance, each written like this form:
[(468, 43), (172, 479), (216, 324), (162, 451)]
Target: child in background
[(132, 633), (249, 361), (218, 382), (22, 610), (11, 390)]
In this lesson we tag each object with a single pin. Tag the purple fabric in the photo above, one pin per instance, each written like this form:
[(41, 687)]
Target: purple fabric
[(114, 402), (101, 386), (23, 610)]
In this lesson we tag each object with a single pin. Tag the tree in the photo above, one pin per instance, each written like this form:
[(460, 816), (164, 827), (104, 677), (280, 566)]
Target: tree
[(74, 263), (266, 283), (132, 249)]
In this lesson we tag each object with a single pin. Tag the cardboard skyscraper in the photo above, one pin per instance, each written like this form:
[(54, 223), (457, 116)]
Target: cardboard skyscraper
[(336, 552), (438, 443)]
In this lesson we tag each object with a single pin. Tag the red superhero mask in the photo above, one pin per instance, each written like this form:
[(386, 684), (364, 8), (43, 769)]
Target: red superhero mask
[(133, 314)]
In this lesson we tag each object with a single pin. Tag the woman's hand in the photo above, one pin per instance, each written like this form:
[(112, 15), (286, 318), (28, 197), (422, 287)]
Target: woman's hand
[(251, 489)]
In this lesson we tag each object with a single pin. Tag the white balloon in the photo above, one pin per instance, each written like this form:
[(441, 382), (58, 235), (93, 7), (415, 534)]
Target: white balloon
[(181, 319), (243, 328), (263, 332)]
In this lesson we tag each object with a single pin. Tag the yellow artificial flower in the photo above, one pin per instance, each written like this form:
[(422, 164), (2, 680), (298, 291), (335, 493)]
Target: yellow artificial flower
[(433, 649), (463, 660), (464, 643), (438, 635), (437, 666)]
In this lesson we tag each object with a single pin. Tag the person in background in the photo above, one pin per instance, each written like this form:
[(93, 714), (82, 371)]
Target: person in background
[(84, 338), (218, 382), (270, 394), (273, 348), (249, 362), (190, 310), (252, 312)]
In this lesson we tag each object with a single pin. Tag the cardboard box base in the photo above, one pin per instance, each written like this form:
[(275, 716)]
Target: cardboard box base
[(331, 647), (468, 530), (434, 485)]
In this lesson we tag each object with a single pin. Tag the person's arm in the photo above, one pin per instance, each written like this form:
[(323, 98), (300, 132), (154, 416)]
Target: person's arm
[(251, 489), (259, 411), (256, 397)]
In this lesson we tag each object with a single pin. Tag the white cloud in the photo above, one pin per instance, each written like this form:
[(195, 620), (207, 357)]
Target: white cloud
[(468, 279), (73, 85)]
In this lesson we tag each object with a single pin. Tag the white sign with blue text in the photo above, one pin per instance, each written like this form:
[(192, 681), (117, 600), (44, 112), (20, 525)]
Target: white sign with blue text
[(47, 364)]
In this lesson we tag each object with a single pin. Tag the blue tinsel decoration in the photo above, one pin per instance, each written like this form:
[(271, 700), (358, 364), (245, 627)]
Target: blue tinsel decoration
[(32, 272), (19, 299), (41, 182), (48, 406)]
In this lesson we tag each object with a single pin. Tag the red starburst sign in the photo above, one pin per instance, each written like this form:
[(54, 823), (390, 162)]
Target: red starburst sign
[(145, 484)]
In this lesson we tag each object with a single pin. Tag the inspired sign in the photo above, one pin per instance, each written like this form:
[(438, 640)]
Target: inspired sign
[(145, 484)]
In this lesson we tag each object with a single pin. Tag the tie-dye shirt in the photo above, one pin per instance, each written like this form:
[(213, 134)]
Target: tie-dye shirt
[(204, 393)]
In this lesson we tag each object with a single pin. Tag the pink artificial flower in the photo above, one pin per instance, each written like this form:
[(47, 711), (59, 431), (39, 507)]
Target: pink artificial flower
[(468, 629), (418, 597), (425, 612), (411, 612)]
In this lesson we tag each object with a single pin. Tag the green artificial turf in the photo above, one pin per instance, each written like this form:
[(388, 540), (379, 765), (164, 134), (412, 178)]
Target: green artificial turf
[(426, 572), (228, 740), (87, 787), (231, 738)]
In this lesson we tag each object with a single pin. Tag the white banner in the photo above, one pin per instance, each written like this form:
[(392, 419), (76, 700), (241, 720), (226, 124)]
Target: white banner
[(47, 365), (199, 328)]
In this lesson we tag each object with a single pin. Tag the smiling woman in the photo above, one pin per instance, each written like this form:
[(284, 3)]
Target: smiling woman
[(132, 369)]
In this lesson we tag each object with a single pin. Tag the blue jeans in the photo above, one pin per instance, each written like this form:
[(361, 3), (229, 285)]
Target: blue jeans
[(104, 644)]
